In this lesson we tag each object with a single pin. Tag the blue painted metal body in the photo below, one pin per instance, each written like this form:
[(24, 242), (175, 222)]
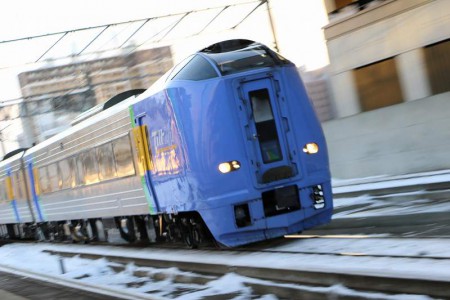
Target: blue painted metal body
[(194, 125)]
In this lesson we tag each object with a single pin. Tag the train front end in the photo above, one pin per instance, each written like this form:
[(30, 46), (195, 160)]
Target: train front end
[(255, 158)]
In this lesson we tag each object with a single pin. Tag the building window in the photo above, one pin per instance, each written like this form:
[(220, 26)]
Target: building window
[(342, 3), (378, 85), (437, 57)]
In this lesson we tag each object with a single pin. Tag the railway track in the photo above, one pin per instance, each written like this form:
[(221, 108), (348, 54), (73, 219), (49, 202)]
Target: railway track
[(205, 266)]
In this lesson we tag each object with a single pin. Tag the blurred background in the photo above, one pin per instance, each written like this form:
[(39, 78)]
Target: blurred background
[(376, 71)]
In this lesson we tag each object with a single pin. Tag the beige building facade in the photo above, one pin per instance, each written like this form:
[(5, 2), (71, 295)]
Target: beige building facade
[(53, 96), (390, 82)]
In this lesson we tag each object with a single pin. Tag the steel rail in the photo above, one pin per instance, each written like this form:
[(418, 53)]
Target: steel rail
[(372, 283)]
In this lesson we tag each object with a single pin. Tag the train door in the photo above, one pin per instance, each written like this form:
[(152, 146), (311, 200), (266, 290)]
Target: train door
[(267, 130), (142, 141)]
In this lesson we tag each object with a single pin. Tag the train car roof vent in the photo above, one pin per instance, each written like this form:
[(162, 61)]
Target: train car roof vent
[(229, 45), (14, 152)]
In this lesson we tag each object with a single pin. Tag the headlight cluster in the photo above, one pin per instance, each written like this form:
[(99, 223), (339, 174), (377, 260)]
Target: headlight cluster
[(229, 166), (311, 148)]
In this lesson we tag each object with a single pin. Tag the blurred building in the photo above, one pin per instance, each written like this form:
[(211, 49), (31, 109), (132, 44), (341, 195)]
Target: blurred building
[(53, 96), (318, 89), (11, 132), (389, 77)]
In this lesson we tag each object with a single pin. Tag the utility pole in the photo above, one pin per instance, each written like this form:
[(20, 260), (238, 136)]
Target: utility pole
[(274, 35)]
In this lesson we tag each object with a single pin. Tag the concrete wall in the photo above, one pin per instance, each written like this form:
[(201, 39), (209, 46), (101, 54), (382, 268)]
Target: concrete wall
[(405, 138), (396, 29)]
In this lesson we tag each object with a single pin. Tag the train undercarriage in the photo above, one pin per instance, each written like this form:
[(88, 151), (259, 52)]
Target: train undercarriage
[(187, 228)]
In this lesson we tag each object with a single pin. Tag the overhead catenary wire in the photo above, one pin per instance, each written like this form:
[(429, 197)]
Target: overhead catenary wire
[(93, 40), (167, 30), (213, 19), (105, 27)]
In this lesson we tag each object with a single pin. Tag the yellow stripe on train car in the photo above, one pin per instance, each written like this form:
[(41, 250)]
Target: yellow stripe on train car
[(9, 188), (142, 145), (37, 187)]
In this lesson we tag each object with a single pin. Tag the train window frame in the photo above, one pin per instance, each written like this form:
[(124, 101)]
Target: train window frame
[(90, 167), (15, 186), (55, 181), (43, 178), (101, 164), (127, 141), (3, 193), (69, 181), (18, 183), (79, 169)]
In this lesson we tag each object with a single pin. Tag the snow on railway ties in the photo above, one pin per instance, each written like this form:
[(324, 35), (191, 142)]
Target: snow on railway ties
[(283, 282)]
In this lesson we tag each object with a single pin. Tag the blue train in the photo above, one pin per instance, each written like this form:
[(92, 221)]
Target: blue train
[(225, 147)]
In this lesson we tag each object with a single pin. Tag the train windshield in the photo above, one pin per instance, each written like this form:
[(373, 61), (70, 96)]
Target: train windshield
[(252, 57)]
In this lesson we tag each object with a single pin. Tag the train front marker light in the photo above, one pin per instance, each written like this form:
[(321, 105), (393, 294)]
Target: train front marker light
[(311, 148), (225, 167), (229, 166)]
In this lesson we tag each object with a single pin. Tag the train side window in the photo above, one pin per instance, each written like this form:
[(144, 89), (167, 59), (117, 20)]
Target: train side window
[(90, 167), (18, 186), (15, 184), (106, 165), (53, 177), (80, 169), (67, 169), (3, 195), (44, 181), (123, 157)]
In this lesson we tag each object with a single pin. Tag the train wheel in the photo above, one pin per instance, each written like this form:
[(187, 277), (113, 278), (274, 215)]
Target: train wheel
[(192, 236), (196, 236)]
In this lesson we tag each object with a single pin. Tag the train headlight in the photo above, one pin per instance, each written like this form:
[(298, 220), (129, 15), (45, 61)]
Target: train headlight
[(311, 148), (229, 166)]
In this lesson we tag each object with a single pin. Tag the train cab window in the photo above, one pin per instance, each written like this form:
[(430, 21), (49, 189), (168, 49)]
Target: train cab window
[(53, 177), (245, 59), (123, 157), (265, 126), (44, 181), (106, 165), (67, 168), (198, 68), (87, 167)]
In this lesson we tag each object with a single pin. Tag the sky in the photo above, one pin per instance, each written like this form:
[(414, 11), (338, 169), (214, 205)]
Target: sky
[(297, 25)]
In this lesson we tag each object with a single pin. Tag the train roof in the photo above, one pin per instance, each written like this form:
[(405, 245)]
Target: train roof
[(101, 115), (225, 58), (229, 57), (12, 156), (105, 105)]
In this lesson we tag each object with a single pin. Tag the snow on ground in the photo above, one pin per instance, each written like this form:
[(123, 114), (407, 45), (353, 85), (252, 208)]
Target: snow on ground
[(100, 272), (386, 181), (407, 203)]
